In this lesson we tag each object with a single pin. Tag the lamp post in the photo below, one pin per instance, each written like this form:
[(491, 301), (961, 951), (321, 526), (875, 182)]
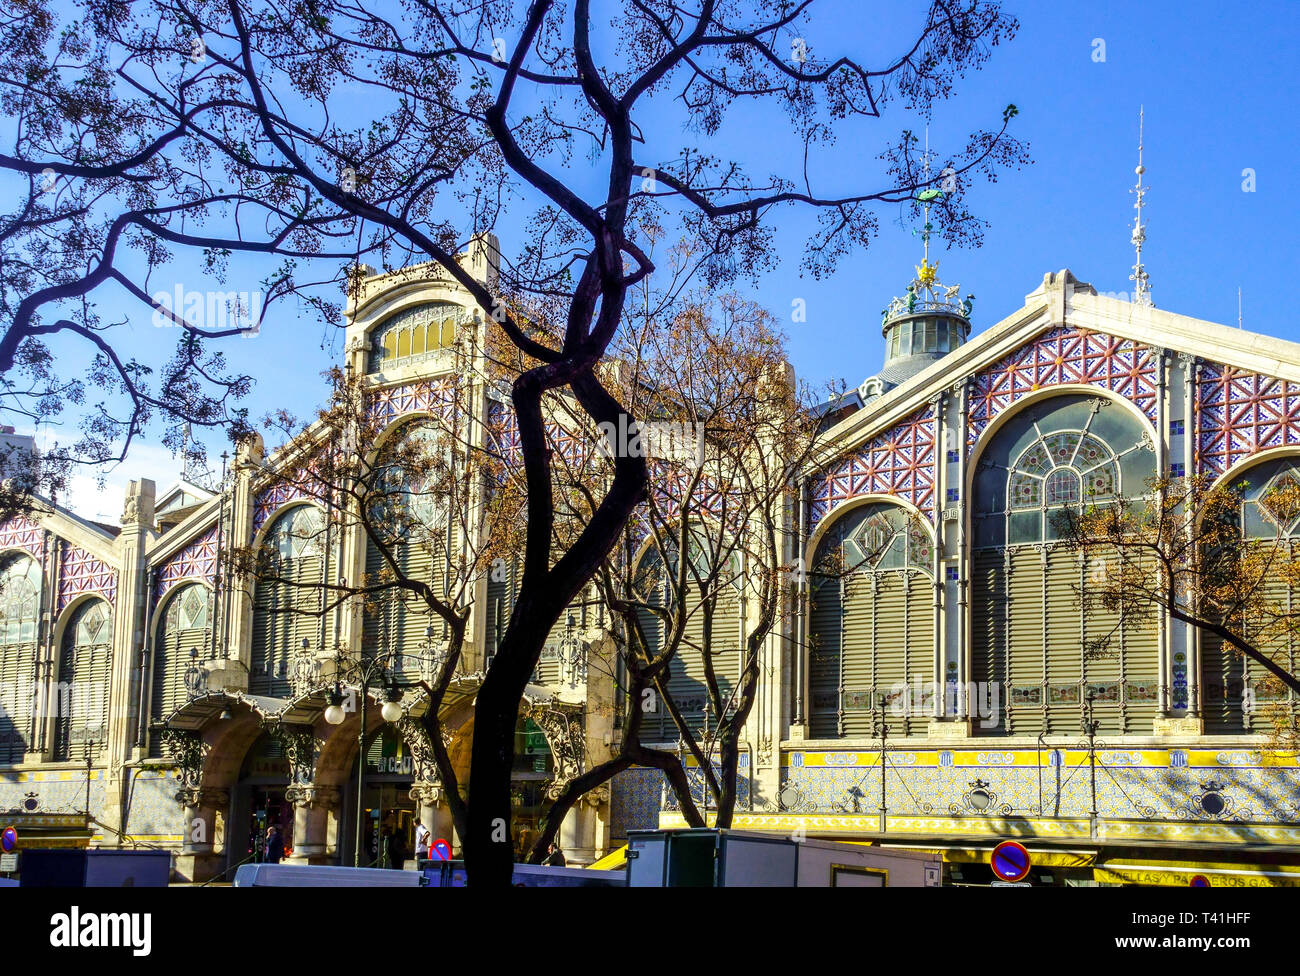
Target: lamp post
[(1090, 726), (365, 672)]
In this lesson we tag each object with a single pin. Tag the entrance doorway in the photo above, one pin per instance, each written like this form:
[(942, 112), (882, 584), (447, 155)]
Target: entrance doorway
[(387, 811), (258, 802)]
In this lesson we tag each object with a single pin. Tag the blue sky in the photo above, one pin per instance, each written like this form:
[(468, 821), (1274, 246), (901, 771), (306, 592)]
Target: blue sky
[(1219, 89)]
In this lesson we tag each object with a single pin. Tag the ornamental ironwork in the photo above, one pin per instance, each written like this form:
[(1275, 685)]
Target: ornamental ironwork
[(299, 745), (186, 748)]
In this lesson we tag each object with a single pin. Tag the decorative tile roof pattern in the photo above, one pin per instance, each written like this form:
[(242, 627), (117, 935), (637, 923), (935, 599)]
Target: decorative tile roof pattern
[(280, 493), (1064, 356), (900, 462), (198, 561), (1239, 414), (80, 573), (22, 533), (437, 397)]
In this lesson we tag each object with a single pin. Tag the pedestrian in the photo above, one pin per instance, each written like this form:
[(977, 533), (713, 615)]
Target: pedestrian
[(422, 839), (396, 850), (554, 857), (274, 845)]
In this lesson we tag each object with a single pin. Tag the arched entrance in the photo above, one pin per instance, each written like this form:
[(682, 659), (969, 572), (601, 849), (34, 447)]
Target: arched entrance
[(259, 801), (388, 813)]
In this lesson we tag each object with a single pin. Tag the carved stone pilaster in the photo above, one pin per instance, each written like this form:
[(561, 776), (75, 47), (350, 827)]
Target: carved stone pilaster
[(427, 794), (315, 797)]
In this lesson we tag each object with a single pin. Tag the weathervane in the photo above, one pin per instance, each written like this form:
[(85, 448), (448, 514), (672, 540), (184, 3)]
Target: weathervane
[(923, 294), (1141, 280)]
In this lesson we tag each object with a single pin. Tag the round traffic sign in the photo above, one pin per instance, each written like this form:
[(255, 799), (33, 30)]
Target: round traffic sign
[(8, 839), (1199, 881), (441, 849), (1010, 861)]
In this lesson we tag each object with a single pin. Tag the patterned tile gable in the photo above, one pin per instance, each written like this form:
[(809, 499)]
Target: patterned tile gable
[(198, 560), (437, 397), (1239, 414), (81, 573), (1063, 356), (22, 533), (280, 493), (900, 462)]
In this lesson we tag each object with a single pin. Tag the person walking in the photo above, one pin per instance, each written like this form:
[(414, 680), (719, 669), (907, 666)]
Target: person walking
[(422, 838), (274, 845)]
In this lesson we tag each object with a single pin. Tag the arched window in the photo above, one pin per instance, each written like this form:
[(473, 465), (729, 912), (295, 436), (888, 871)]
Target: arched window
[(178, 649), (85, 671), (871, 624), (1229, 680), (20, 609), (713, 627), (414, 334), (408, 509), (286, 604), (1037, 650)]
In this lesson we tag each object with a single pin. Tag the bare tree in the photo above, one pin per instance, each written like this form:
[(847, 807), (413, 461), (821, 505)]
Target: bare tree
[(705, 574), (1183, 549), (226, 130), (426, 500)]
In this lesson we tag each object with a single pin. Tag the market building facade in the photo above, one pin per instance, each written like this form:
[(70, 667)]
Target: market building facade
[(195, 710)]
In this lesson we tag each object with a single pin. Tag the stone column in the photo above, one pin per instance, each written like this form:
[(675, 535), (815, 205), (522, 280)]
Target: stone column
[(311, 822), (238, 634), (198, 858), (435, 812), (578, 831), (130, 644)]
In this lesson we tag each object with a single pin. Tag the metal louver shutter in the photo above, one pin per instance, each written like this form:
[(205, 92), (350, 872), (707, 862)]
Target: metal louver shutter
[(400, 621), (278, 632), (989, 630), (82, 684), (17, 667), (825, 618), (870, 622), (1021, 696), (174, 651), (1062, 617)]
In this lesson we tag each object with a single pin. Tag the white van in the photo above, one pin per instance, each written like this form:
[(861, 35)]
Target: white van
[(323, 876)]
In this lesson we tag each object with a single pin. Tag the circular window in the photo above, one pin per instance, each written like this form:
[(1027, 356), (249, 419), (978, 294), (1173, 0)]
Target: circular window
[(1213, 803), (980, 799)]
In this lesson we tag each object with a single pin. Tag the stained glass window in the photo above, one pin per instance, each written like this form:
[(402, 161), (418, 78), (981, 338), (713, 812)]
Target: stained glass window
[(297, 533), (406, 503), (20, 589), (414, 334), (188, 609), (1061, 487)]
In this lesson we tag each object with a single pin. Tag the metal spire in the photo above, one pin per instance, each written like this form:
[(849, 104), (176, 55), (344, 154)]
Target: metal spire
[(1141, 280)]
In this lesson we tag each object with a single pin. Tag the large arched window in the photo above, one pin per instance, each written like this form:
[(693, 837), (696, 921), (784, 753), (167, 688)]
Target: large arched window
[(871, 624), (713, 628), (20, 610), (414, 334), (1237, 695), (286, 602), (85, 671), (408, 509), (178, 649), (1035, 645)]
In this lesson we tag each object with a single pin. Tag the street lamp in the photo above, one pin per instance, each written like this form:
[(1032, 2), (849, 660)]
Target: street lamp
[(392, 709), (334, 713)]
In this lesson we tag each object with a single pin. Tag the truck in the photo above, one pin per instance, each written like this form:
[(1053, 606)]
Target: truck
[(718, 858)]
